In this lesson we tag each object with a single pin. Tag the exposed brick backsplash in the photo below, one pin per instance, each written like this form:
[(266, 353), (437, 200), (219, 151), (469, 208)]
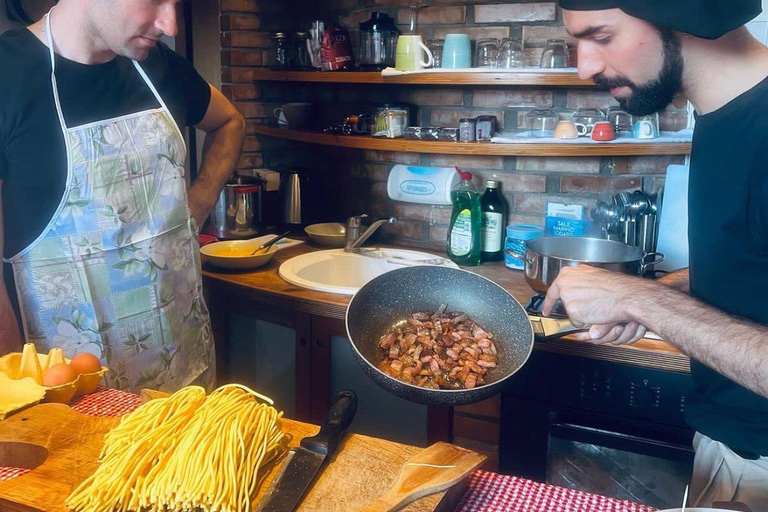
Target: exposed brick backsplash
[(359, 177)]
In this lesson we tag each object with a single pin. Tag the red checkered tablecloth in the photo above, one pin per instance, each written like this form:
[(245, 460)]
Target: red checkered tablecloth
[(487, 492)]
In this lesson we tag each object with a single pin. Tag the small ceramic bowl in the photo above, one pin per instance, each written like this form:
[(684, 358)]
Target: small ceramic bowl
[(236, 254), (329, 234)]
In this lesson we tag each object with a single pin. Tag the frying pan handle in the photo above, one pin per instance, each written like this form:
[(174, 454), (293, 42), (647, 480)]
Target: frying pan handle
[(563, 333)]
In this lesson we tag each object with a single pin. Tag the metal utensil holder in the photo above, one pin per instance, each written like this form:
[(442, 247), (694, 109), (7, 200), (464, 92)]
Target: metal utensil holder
[(631, 218)]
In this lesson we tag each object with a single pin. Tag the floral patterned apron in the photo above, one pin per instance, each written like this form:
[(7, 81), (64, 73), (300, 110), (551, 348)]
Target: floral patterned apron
[(116, 270)]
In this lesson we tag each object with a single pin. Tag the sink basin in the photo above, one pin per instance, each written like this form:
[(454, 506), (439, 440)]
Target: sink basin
[(336, 271)]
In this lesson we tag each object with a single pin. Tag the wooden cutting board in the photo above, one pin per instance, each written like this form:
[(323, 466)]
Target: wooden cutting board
[(362, 470)]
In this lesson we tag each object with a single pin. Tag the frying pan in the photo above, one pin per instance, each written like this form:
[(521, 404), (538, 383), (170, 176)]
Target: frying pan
[(392, 297)]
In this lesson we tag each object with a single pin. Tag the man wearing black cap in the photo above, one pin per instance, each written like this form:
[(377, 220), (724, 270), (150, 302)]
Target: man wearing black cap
[(646, 52)]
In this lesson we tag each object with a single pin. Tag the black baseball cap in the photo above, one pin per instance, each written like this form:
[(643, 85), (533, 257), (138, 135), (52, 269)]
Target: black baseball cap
[(708, 19)]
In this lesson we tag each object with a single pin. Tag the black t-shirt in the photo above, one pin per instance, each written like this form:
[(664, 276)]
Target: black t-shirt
[(728, 236), (32, 154)]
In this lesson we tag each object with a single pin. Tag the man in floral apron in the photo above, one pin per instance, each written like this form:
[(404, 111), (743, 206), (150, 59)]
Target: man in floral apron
[(103, 253)]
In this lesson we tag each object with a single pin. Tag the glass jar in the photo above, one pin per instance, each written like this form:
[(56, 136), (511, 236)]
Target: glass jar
[(555, 54), (280, 54), (467, 128), (517, 236), (301, 59), (486, 53), (436, 47)]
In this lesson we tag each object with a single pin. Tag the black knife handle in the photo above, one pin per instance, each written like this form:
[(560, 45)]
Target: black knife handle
[(336, 422)]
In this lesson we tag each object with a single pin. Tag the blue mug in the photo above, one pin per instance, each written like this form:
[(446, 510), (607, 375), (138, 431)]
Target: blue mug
[(457, 51), (646, 127)]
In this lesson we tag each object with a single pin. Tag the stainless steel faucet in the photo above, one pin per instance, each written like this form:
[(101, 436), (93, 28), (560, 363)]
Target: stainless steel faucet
[(354, 240)]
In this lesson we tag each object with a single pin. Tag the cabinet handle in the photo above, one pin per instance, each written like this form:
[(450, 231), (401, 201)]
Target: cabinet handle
[(303, 342), (319, 343)]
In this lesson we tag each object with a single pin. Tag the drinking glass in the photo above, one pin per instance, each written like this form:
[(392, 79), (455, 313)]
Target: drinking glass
[(436, 47), (511, 54), (486, 53), (555, 54)]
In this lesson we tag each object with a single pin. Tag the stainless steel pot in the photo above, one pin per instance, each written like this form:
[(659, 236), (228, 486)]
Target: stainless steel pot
[(545, 256), (237, 213)]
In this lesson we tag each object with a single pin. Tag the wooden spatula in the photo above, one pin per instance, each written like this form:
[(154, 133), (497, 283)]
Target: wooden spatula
[(433, 469)]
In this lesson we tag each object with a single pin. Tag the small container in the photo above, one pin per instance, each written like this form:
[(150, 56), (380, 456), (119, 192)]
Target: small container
[(413, 133), (467, 129), (429, 132), (301, 59), (390, 122), (485, 128), (448, 134), (517, 236), (281, 52)]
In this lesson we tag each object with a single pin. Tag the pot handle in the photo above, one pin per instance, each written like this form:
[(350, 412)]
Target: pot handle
[(656, 257), (515, 254)]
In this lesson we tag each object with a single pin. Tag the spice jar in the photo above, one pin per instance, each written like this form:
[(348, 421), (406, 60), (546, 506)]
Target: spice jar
[(467, 129), (517, 236), (300, 55), (280, 54), (485, 128)]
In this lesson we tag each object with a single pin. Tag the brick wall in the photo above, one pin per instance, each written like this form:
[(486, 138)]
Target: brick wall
[(357, 178)]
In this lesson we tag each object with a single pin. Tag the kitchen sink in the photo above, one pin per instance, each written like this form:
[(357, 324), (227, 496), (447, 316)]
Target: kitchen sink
[(337, 271)]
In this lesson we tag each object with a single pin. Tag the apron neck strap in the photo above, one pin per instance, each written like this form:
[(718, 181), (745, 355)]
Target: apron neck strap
[(52, 54)]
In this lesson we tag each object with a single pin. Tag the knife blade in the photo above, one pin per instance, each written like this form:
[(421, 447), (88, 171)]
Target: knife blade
[(304, 463)]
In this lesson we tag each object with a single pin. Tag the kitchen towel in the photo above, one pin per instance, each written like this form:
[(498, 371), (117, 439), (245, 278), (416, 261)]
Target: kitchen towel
[(673, 220)]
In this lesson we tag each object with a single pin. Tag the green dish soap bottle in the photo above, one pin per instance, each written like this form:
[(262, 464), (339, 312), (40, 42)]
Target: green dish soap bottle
[(464, 232)]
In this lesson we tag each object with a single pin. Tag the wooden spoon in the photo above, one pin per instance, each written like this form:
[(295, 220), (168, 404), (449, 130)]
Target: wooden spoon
[(432, 470)]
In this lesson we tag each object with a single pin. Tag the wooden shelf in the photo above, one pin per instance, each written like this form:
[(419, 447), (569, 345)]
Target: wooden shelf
[(474, 148), (374, 77)]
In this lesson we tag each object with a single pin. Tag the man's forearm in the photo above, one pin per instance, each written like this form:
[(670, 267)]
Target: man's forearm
[(221, 150), (677, 279), (10, 337), (732, 346)]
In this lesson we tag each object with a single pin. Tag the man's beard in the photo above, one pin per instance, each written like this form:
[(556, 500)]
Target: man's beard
[(659, 92)]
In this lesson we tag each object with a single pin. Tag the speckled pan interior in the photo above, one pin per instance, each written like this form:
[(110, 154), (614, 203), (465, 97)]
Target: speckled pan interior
[(392, 297)]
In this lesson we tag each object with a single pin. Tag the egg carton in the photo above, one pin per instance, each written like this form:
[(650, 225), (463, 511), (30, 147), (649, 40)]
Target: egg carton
[(28, 367)]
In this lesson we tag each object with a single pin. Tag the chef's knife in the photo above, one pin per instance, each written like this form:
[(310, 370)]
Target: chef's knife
[(303, 463)]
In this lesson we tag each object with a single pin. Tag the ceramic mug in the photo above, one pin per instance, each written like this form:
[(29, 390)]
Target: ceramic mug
[(409, 55), (457, 51), (566, 130), (295, 116), (602, 131), (646, 128)]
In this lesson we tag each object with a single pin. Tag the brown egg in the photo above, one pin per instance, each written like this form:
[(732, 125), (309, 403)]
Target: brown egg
[(85, 363), (58, 374)]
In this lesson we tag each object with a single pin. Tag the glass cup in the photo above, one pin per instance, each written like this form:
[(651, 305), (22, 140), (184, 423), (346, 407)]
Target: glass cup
[(541, 122), (436, 47), (511, 54), (585, 118), (555, 54), (620, 119), (486, 53)]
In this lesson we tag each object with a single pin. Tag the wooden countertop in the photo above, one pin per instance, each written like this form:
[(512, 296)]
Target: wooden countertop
[(264, 285)]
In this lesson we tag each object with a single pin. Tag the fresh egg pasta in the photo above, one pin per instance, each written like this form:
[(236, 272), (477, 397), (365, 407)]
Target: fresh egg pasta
[(186, 452)]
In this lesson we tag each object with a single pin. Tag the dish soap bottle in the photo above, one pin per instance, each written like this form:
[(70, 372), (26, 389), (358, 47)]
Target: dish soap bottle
[(464, 238), (494, 214)]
